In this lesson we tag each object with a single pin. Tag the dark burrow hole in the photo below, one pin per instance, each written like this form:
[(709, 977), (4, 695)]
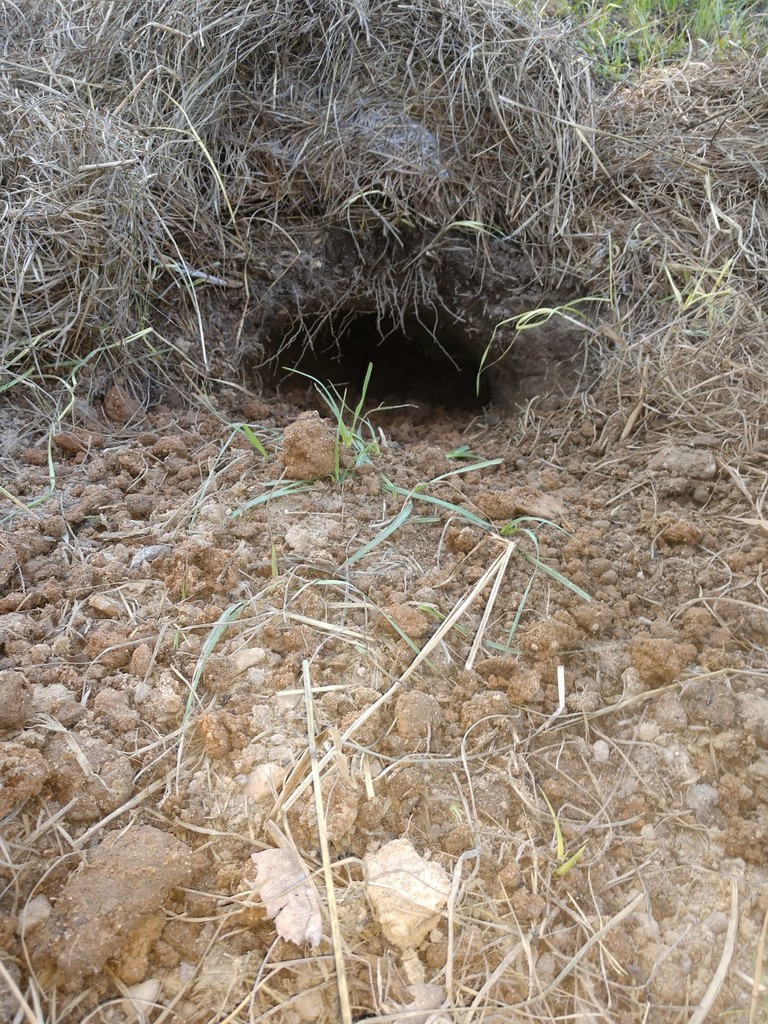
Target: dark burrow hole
[(411, 364)]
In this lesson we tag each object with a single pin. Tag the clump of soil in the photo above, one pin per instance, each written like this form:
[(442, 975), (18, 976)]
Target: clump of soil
[(102, 908), (309, 448)]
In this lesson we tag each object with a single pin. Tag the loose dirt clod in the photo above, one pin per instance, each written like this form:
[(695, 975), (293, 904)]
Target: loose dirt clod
[(128, 876), (15, 700), (309, 448), (22, 775)]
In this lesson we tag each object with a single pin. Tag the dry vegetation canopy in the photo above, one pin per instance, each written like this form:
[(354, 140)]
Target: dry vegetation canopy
[(217, 135), (156, 146)]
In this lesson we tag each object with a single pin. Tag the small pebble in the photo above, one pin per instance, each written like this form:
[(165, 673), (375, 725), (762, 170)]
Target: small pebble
[(601, 751)]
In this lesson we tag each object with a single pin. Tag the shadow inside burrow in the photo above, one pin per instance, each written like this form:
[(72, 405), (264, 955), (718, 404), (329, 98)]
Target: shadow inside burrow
[(423, 365)]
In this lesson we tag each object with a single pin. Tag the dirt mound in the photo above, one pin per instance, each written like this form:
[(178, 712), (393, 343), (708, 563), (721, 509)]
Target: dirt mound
[(358, 748)]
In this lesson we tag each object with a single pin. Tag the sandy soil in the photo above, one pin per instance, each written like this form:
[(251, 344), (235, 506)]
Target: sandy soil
[(179, 631)]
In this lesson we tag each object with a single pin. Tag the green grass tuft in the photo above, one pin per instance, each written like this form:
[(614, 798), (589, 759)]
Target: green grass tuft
[(632, 35)]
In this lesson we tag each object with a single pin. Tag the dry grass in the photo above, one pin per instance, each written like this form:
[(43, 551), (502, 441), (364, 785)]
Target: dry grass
[(683, 162), (163, 147), (160, 148)]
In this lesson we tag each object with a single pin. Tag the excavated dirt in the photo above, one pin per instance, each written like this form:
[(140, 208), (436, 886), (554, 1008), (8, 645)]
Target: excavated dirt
[(166, 608)]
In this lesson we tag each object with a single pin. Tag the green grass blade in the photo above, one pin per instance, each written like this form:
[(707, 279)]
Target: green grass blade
[(387, 485), (575, 588), (252, 439), (28, 506), (558, 830), (402, 516), (287, 489), (358, 411), (475, 467), (225, 619)]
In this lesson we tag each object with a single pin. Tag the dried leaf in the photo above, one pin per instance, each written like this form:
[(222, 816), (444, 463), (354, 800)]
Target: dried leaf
[(288, 896)]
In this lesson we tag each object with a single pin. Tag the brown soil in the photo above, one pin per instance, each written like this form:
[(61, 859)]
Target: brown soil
[(163, 627)]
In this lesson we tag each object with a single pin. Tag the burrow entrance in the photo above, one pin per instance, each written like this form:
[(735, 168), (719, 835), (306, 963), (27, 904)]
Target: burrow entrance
[(413, 363), (425, 368), (455, 347)]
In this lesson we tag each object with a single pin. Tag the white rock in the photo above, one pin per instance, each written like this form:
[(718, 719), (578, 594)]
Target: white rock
[(632, 683), (406, 891), (35, 913), (141, 1000), (242, 660), (427, 998), (141, 691), (648, 732), (48, 699), (263, 782), (697, 463), (300, 540), (288, 896), (149, 554), (601, 751), (105, 606), (309, 1006), (701, 798)]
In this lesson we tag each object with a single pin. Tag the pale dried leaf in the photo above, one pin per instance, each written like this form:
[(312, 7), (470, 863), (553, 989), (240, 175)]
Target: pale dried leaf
[(288, 896)]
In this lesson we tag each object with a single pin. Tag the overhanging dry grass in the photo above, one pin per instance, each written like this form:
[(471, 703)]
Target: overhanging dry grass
[(135, 140), (157, 147)]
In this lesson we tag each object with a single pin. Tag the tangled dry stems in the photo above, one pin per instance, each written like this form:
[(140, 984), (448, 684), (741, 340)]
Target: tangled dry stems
[(157, 147)]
